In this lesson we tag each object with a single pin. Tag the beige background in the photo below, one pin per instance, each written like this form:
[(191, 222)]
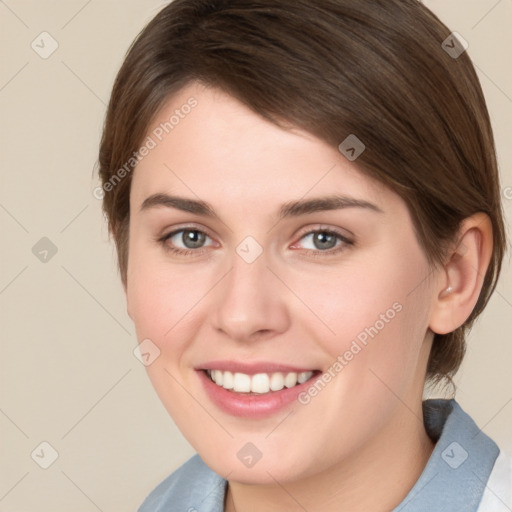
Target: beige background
[(68, 375)]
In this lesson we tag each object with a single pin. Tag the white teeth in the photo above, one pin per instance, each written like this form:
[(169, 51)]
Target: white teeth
[(217, 377), (276, 381), (290, 380), (225, 380), (242, 383), (303, 377), (259, 383)]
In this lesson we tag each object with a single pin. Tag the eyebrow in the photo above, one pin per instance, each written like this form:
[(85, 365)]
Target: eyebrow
[(289, 209)]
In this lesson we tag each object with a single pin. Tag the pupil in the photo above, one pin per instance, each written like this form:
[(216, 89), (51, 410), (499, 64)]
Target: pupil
[(324, 240), (193, 239)]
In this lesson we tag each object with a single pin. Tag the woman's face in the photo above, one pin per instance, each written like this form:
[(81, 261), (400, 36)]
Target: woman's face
[(252, 265)]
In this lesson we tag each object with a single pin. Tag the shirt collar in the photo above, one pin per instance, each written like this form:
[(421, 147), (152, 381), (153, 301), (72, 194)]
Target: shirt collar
[(458, 469)]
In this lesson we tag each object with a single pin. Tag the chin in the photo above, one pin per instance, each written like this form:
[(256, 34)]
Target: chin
[(262, 472)]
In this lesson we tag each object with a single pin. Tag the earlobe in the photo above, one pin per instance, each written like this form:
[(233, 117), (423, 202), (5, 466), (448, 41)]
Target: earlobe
[(460, 284)]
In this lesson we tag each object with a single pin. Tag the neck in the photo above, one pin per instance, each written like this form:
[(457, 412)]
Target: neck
[(377, 478)]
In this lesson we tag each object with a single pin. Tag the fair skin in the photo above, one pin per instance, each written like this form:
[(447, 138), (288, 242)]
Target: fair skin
[(297, 303)]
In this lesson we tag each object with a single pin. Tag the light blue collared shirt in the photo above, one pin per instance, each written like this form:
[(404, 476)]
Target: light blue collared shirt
[(454, 478)]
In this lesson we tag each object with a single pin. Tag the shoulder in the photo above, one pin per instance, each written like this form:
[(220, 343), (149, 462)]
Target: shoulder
[(497, 496), (192, 486)]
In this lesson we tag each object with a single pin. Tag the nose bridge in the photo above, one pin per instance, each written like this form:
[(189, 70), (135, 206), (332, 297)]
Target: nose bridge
[(244, 281), (249, 300)]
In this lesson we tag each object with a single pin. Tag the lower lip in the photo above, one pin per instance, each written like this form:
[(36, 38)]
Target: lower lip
[(252, 406)]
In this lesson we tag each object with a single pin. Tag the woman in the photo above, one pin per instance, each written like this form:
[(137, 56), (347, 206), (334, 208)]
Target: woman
[(305, 202)]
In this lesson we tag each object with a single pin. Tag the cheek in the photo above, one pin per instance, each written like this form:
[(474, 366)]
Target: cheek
[(161, 300), (353, 299), (161, 296), (373, 314)]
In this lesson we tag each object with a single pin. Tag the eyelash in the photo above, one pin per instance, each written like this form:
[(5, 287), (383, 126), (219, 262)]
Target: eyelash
[(314, 253)]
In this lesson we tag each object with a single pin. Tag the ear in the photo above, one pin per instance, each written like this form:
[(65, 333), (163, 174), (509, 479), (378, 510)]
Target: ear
[(463, 275)]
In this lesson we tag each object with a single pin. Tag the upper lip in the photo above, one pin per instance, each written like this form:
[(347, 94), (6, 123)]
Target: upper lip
[(252, 368)]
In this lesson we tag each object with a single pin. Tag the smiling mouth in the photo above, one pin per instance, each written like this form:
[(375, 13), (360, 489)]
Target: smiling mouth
[(259, 383)]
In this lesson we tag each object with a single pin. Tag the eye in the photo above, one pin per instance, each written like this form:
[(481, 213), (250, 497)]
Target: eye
[(191, 241), (185, 241), (324, 241)]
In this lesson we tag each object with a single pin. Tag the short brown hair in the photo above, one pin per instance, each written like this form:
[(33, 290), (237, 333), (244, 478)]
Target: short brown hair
[(373, 68)]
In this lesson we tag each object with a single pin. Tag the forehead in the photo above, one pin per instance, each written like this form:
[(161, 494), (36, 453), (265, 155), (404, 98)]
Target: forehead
[(206, 143)]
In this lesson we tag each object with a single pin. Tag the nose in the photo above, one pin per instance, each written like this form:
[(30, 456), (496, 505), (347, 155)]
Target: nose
[(250, 301)]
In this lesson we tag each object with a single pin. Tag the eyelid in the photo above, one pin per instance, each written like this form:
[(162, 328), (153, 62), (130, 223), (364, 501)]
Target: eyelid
[(185, 227), (323, 227)]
